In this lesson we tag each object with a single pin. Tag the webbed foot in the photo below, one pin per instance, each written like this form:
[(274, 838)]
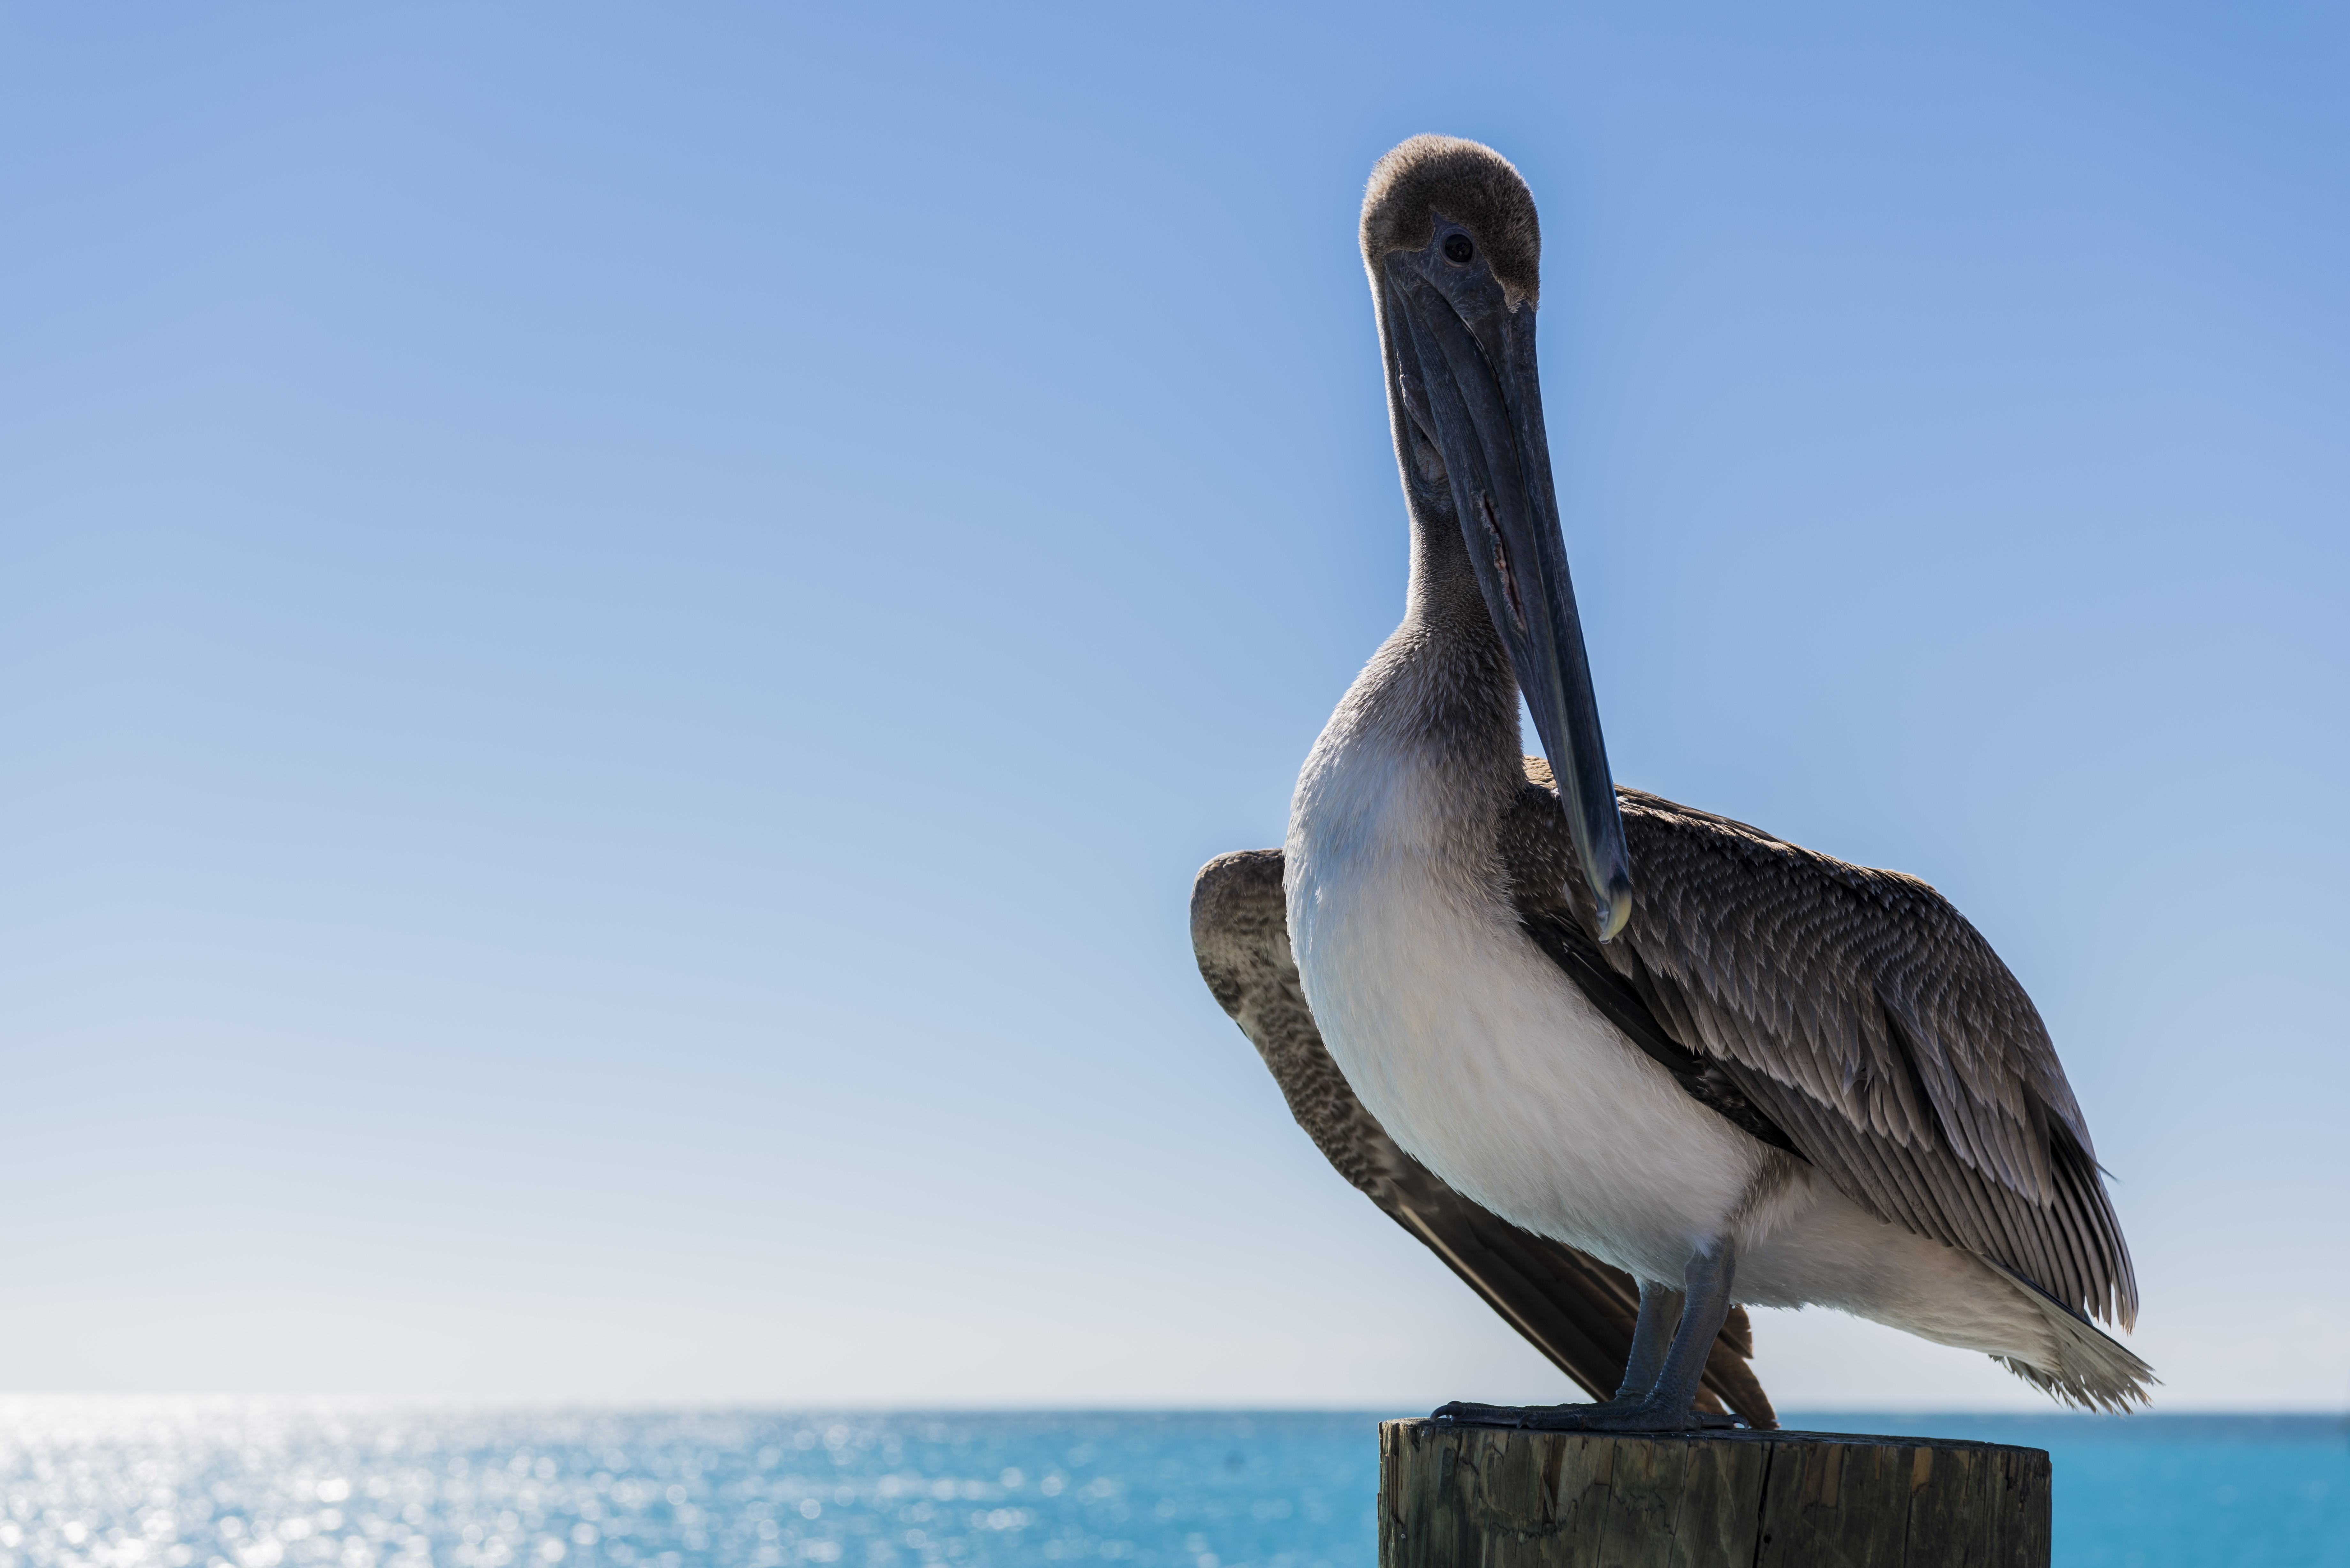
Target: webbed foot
[(1613, 1416)]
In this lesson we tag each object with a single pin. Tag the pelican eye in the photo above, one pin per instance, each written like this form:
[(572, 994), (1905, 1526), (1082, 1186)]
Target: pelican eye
[(1458, 250)]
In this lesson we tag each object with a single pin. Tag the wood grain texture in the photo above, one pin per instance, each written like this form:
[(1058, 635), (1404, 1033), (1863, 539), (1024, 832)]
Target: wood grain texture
[(1471, 1497)]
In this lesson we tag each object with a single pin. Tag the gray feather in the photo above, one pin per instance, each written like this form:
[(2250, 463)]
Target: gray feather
[(1870, 1022)]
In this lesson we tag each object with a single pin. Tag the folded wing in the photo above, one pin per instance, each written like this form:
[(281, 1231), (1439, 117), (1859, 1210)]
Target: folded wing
[(1864, 1017)]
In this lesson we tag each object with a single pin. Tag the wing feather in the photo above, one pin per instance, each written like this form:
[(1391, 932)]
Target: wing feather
[(1868, 1019)]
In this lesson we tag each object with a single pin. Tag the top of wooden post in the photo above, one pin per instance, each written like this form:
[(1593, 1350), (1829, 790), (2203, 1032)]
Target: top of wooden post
[(1454, 1496)]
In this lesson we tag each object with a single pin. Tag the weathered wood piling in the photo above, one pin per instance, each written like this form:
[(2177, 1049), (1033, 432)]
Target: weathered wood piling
[(1472, 1497)]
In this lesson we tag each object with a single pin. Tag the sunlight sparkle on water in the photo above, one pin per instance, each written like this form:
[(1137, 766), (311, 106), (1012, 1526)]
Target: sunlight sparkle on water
[(124, 1483)]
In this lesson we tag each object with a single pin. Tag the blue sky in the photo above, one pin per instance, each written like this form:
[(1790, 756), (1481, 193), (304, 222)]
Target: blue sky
[(621, 628)]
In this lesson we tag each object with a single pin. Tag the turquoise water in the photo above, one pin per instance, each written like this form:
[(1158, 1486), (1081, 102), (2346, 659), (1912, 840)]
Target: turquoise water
[(275, 1484)]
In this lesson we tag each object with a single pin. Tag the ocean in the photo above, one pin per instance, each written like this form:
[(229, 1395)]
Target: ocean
[(251, 1483)]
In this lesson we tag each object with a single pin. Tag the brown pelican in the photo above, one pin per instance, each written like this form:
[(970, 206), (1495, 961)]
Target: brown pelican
[(1737, 1070)]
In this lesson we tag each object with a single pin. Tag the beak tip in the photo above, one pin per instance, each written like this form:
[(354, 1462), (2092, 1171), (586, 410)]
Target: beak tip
[(1615, 911)]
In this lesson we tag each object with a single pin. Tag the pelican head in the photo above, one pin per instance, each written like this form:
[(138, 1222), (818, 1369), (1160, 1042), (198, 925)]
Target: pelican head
[(1454, 253)]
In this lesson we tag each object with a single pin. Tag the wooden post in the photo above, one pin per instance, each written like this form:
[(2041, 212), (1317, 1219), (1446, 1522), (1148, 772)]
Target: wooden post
[(1477, 1497)]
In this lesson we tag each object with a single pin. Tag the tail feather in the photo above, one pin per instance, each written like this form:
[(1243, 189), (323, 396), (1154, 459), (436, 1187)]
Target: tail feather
[(2091, 1371)]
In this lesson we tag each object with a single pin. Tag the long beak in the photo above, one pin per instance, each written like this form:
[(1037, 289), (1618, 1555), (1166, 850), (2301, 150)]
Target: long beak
[(1481, 405)]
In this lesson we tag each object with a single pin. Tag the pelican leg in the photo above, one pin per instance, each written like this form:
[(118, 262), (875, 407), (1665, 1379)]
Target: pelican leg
[(1661, 1375), (1652, 1331)]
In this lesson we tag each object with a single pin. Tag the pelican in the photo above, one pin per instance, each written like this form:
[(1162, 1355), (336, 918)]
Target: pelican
[(1553, 1025)]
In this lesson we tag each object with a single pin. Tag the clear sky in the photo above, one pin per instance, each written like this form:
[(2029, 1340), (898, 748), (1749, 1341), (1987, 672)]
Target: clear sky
[(621, 628)]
